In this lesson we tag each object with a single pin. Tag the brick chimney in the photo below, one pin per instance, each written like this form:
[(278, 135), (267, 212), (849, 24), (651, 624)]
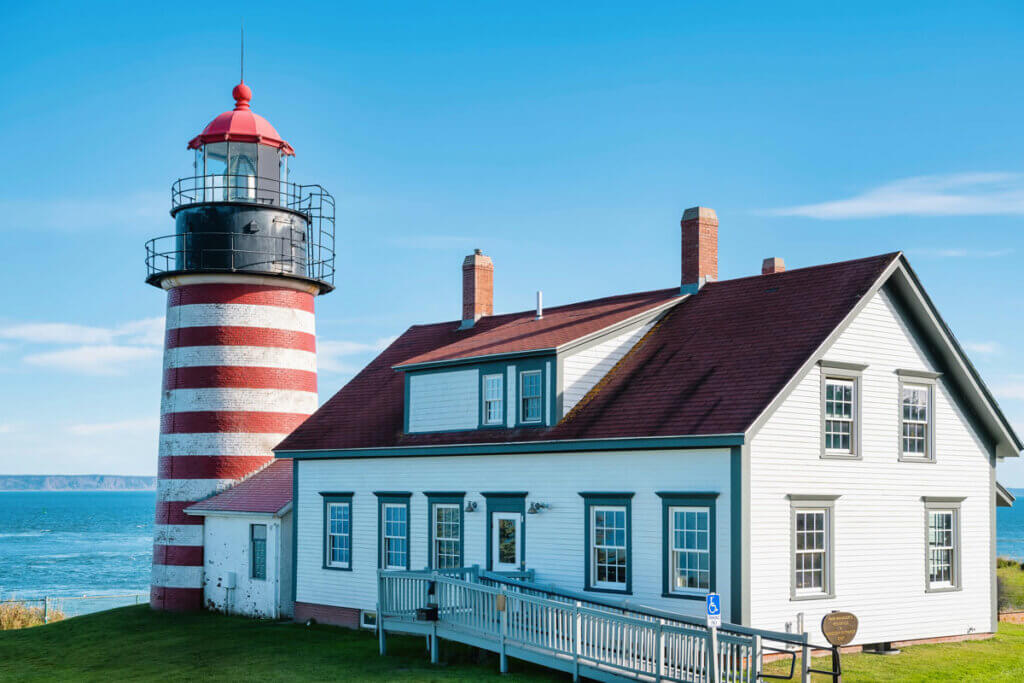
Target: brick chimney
[(700, 248), (772, 265), (477, 288)]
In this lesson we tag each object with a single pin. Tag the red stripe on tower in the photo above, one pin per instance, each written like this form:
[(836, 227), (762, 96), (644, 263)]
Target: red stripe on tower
[(228, 335)]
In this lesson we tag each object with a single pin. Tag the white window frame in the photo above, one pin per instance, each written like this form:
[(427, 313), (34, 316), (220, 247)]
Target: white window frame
[(942, 506), (252, 550), (331, 536), (368, 619), (594, 547), (499, 401), (386, 538), (921, 381), (539, 397), (846, 373), (813, 505), (673, 549), (437, 538)]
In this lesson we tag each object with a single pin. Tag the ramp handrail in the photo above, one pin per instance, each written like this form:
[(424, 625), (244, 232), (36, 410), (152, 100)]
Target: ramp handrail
[(557, 629)]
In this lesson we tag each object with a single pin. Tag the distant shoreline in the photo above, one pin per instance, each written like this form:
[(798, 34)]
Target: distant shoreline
[(75, 482)]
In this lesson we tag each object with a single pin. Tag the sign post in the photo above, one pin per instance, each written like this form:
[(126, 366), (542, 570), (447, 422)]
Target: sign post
[(713, 616), (839, 628)]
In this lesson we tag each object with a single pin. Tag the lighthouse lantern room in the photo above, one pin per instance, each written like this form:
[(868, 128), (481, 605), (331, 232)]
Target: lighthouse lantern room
[(249, 253)]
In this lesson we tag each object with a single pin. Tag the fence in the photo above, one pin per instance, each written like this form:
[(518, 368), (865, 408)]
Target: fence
[(76, 605), (568, 631)]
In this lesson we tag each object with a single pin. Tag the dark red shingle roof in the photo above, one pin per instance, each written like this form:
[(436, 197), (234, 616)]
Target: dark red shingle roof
[(268, 490), (711, 366)]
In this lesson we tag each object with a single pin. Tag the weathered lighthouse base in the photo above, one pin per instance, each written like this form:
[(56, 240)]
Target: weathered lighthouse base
[(176, 599)]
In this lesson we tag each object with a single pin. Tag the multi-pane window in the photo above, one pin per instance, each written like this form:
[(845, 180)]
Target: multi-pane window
[(339, 535), (689, 549), (941, 548), (810, 562), (493, 399), (530, 393), (258, 550), (839, 415), (608, 552), (395, 535), (447, 536), (916, 415)]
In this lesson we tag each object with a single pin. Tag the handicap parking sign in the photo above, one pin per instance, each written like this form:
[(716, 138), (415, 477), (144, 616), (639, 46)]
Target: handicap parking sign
[(713, 610)]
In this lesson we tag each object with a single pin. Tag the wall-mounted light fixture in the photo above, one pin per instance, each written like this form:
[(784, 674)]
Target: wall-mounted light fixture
[(537, 507), (470, 506)]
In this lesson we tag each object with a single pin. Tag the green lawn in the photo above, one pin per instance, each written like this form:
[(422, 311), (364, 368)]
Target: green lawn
[(1011, 585), (134, 643)]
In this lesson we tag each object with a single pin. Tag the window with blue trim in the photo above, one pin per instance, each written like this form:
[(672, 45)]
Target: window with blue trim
[(337, 531), (393, 530), (688, 544), (530, 393), (607, 535), (494, 393)]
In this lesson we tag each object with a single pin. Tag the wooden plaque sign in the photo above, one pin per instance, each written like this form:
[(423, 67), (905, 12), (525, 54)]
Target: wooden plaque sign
[(839, 628)]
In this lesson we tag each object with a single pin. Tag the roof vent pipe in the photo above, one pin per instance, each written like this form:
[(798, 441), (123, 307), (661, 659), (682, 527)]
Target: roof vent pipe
[(540, 304)]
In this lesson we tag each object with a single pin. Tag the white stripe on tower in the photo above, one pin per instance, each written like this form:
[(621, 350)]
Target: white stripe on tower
[(239, 375)]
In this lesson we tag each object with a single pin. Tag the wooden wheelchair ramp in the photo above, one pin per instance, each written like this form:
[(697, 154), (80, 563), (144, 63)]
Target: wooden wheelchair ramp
[(562, 630)]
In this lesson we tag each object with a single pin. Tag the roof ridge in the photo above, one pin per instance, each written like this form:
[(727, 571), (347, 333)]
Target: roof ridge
[(890, 254), (550, 309)]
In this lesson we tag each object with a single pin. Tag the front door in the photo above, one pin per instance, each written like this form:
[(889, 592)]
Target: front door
[(506, 541)]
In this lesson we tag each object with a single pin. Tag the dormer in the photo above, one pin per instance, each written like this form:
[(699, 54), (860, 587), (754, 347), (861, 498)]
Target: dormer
[(523, 370)]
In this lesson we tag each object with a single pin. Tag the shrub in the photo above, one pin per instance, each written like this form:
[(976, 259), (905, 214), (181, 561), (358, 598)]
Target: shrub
[(20, 615), (1007, 562)]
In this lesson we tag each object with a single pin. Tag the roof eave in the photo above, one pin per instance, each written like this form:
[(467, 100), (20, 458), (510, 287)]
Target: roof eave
[(501, 447)]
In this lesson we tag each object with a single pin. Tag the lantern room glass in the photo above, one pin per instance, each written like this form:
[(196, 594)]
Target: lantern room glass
[(242, 172)]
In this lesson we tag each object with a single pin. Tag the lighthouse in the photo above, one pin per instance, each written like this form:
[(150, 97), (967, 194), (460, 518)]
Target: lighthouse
[(250, 252)]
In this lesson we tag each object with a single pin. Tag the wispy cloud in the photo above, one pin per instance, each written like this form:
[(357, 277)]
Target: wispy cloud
[(134, 211), (6, 428), (1011, 387), (93, 360), (983, 347), (95, 350), (147, 424), (956, 194), (331, 355)]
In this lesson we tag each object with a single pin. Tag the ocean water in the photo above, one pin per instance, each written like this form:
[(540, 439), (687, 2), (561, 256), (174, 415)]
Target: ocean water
[(65, 544), (1010, 528), (74, 543)]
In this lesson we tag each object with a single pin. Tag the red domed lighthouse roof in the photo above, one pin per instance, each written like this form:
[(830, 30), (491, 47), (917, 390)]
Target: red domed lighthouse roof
[(241, 125)]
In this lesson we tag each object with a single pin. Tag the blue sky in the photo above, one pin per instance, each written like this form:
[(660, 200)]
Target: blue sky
[(565, 139)]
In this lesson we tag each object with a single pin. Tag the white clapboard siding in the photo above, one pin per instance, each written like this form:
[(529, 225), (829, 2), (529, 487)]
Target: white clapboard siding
[(583, 369), (440, 401), (879, 540), (554, 537)]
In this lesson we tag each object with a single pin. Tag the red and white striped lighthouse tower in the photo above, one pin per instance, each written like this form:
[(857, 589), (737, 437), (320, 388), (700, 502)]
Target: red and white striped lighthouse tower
[(249, 254)]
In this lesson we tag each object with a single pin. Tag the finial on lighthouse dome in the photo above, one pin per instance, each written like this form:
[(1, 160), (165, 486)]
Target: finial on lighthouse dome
[(242, 94)]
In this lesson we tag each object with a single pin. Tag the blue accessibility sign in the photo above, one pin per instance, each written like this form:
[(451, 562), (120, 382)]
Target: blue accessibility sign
[(713, 609)]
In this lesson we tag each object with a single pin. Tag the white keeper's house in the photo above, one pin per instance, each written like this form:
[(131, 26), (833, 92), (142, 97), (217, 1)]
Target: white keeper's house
[(797, 441)]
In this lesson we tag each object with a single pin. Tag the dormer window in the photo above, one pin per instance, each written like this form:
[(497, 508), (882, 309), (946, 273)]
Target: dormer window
[(530, 395), (493, 407)]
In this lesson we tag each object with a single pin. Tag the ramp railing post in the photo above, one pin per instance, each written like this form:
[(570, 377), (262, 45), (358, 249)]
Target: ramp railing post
[(712, 659), (503, 630), (805, 664), (755, 664), (659, 652), (577, 639)]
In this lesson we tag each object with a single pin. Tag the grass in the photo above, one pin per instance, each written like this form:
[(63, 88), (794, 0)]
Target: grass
[(1000, 658), (1010, 575), (134, 643), (15, 615)]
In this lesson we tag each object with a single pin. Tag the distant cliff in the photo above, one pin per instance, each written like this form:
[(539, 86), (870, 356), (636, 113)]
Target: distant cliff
[(75, 482)]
